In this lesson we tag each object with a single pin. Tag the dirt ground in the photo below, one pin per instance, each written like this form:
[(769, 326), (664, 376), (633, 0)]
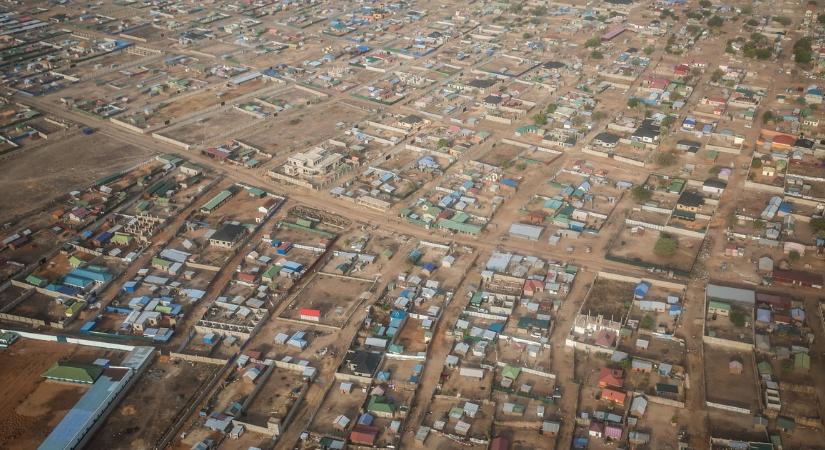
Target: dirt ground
[(330, 295), (33, 177), (30, 406), (151, 405)]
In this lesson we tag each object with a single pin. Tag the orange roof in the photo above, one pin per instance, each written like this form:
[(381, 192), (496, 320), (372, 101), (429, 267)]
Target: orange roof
[(610, 377), (613, 396)]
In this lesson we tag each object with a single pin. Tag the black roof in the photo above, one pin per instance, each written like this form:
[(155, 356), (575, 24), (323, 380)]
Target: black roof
[(610, 138), (363, 362), (804, 143), (411, 119), (494, 99), (688, 143), (481, 83), (229, 233), (691, 199), (554, 65), (716, 182)]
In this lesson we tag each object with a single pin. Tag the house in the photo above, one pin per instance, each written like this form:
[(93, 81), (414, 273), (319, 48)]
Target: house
[(380, 406), (667, 390), (690, 202), (228, 236), (719, 308), (613, 432), (362, 363), (596, 429), (688, 145), (714, 186), (606, 139), (735, 366), (641, 365), (315, 162), (610, 378), (73, 373), (798, 278), (648, 132), (614, 396), (638, 406)]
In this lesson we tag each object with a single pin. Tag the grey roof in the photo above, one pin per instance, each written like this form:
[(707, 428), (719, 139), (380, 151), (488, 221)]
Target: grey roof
[(733, 294), (531, 232), (229, 233)]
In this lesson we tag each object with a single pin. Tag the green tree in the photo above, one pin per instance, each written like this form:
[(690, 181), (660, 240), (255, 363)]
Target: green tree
[(715, 22), (595, 54), (767, 116), (802, 51), (540, 11), (540, 119), (717, 75), (752, 22), (756, 163), (593, 42), (551, 108), (665, 246), (794, 256), (632, 102), (648, 50), (737, 318), (640, 194), (647, 322), (666, 159), (598, 115), (782, 20), (818, 226), (527, 35), (705, 3), (821, 18)]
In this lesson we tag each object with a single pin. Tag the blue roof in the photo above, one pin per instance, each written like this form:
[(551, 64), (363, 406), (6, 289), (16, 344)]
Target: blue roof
[(509, 182), (80, 418), (641, 289)]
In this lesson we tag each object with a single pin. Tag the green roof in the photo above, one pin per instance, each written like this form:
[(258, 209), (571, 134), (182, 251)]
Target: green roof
[(271, 272), (76, 373), (510, 372), (35, 280), (216, 200), (718, 305), (380, 404), (802, 361), (460, 227)]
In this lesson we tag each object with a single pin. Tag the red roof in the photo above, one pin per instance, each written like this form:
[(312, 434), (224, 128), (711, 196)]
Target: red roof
[(500, 443), (310, 312), (610, 377), (246, 277), (798, 276), (613, 396), (363, 437), (784, 139)]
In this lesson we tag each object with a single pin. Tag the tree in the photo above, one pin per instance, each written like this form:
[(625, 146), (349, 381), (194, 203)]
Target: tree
[(595, 54), (818, 226), (737, 318), (782, 20), (640, 194), (551, 108), (794, 256), (756, 163), (717, 75), (821, 18), (647, 322), (527, 35), (802, 51), (648, 50), (665, 246), (598, 115), (632, 102), (705, 3), (540, 119), (442, 143), (767, 116), (752, 22), (666, 159), (593, 42), (758, 224), (715, 22), (540, 11)]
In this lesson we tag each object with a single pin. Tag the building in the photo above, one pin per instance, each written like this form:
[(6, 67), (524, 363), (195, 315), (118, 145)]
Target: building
[(362, 363), (690, 202), (315, 162), (610, 378), (614, 396), (798, 278), (73, 373), (714, 186), (719, 308), (606, 139), (228, 236)]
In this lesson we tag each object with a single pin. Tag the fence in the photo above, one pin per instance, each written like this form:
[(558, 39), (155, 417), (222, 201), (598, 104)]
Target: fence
[(198, 358)]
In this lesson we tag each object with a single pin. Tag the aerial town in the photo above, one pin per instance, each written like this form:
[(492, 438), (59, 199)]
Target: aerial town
[(358, 224)]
